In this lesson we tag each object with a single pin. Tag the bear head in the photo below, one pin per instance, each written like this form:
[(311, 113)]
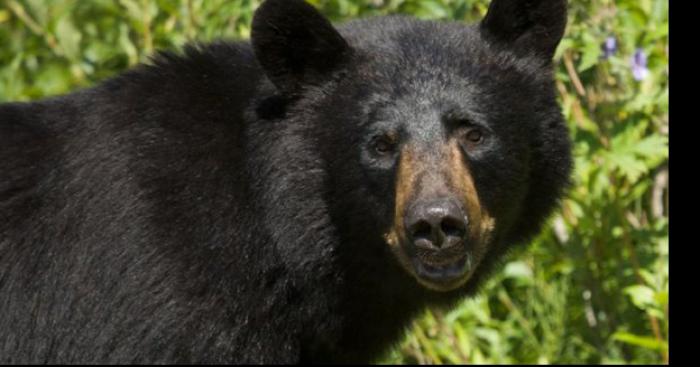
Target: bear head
[(443, 142)]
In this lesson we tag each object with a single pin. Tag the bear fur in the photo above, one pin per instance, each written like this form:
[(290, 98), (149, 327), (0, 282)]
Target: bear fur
[(214, 206)]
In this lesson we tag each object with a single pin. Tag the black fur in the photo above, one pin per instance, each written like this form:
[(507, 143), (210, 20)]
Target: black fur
[(214, 207)]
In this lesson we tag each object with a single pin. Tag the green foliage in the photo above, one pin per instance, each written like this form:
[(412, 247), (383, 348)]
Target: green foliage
[(592, 288)]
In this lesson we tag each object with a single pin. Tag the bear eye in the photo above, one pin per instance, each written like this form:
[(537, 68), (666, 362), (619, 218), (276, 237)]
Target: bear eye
[(383, 144), (474, 136)]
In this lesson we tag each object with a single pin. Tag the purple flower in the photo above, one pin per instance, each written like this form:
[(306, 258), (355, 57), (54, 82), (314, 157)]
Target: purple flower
[(609, 47), (639, 65)]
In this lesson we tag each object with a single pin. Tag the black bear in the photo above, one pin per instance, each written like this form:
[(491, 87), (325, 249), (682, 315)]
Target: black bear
[(299, 198)]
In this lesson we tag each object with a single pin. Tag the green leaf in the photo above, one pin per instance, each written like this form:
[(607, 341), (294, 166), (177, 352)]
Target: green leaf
[(590, 57), (653, 147), (433, 9), (518, 269), (641, 295), (640, 341), (68, 38), (4, 15)]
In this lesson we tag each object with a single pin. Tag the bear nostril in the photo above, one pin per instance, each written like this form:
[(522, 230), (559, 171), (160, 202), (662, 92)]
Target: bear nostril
[(422, 230), (452, 227), (423, 235)]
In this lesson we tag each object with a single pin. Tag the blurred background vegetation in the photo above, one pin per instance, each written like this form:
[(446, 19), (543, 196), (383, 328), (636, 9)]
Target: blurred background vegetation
[(593, 288)]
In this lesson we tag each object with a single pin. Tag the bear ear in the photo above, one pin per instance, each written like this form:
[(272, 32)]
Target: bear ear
[(527, 25), (295, 44)]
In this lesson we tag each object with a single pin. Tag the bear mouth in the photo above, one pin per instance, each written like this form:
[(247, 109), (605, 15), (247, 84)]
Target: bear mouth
[(443, 276), (439, 272)]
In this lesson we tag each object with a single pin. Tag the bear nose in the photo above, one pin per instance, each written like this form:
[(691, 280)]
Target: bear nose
[(436, 224)]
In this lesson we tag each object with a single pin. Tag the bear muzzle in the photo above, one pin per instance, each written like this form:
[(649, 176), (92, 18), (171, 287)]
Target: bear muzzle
[(436, 233)]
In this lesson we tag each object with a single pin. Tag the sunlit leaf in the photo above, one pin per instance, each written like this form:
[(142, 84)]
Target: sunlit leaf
[(641, 341)]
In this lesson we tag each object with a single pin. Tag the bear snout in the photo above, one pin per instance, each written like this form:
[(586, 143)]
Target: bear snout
[(436, 225), (436, 233)]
